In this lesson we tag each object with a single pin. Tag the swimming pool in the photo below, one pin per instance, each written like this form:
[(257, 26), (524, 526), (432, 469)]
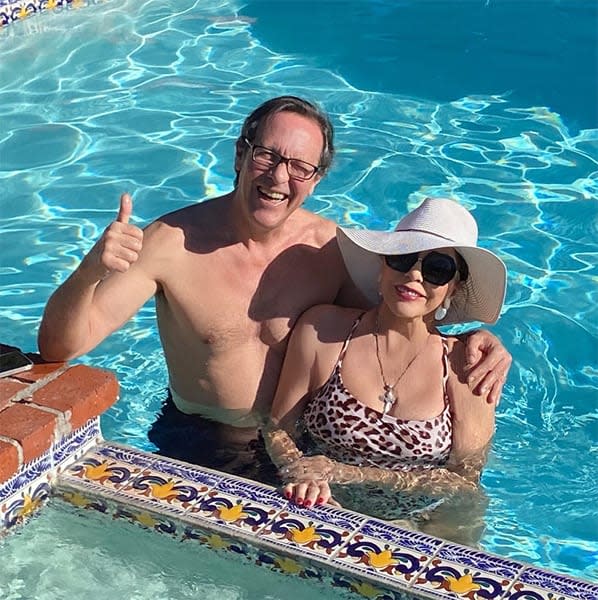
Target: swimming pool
[(88, 556), (135, 100)]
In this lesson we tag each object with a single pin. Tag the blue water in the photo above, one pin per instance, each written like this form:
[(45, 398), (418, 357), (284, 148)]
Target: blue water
[(69, 553), (467, 99)]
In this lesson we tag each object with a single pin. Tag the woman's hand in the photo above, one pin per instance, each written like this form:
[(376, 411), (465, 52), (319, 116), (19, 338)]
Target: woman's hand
[(309, 493), (488, 362), (309, 468), (308, 481)]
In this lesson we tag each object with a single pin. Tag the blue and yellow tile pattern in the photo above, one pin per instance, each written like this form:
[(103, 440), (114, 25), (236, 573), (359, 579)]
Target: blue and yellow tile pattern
[(17, 10), (372, 558)]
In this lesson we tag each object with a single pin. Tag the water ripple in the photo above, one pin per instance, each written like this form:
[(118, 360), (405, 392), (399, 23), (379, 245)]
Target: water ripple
[(149, 97)]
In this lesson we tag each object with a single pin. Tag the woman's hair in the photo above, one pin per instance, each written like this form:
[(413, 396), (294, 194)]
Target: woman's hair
[(301, 107), (462, 267)]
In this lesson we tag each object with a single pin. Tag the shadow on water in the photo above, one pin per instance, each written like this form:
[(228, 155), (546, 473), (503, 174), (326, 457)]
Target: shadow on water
[(444, 50)]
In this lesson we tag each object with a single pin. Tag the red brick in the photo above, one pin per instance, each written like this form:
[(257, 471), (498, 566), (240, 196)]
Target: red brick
[(8, 388), (39, 370), (84, 391), (31, 427), (9, 461)]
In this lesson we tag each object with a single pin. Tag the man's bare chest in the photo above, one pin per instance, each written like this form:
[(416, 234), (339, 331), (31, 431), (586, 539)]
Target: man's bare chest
[(230, 302)]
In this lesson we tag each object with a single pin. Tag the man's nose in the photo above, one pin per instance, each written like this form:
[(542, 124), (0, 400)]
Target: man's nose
[(280, 172)]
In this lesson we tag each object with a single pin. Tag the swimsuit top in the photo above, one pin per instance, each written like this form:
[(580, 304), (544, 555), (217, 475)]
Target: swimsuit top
[(348, 431)]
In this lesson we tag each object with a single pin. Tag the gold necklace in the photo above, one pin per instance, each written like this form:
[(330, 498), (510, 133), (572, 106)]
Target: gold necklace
[(388, 397)]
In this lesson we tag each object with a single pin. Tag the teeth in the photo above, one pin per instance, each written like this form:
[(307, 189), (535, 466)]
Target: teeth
[(277, 196), (408, 292)]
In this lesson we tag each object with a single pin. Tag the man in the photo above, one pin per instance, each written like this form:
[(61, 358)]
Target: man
[(230, 276)]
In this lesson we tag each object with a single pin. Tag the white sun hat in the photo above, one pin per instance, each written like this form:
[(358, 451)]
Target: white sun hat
[(436, 223)]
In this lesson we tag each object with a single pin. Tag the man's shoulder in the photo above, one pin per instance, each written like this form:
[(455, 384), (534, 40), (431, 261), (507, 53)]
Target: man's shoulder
[(194, 222), (320, 227), (196, 213)]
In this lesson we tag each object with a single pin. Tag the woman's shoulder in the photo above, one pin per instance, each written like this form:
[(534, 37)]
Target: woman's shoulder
[(329, 315), (456, 355), (459, 387), (327, 324)]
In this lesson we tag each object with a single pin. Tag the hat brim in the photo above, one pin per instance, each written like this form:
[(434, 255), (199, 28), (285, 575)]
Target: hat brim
[(479, 298)]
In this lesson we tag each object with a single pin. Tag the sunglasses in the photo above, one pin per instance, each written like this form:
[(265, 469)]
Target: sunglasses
[(437, 268)]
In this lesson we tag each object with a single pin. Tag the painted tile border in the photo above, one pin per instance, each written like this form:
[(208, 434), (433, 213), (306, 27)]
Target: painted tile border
[(345, 549), (26, 491), (17, 10), (371, 557)]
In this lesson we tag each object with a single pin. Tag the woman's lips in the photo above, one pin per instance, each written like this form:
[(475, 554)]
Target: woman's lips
[(408, 294)]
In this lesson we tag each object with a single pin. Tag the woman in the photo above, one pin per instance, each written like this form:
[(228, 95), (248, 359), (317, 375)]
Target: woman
[(383, 394)]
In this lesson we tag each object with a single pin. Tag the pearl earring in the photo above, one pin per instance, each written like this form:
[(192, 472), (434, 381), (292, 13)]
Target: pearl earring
[(442, 309)]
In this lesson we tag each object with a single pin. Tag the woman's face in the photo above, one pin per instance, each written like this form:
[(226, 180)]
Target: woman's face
[(407, 289)]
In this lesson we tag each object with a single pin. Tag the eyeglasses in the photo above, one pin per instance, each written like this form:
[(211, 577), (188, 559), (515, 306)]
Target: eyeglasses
[(437, 268), (297, 169)]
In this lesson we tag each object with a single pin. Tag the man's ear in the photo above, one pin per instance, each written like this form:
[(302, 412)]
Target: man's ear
[(240, 149), (314, 182)]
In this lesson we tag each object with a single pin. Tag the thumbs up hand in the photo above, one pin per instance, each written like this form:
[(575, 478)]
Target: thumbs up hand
[(119, 246), (125, 209)]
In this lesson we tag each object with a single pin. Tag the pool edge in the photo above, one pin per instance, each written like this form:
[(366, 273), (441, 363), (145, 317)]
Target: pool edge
[(370, 556)]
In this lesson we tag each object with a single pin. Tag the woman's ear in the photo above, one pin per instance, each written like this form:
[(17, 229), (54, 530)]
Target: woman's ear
[(453, 287)]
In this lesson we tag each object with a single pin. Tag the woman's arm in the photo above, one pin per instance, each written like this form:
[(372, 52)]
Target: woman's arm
[(434, 482), (297, 370), (298, 377), (281, 447), (473, 417)]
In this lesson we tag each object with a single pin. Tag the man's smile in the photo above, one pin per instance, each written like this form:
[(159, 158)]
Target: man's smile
[(271, 195)]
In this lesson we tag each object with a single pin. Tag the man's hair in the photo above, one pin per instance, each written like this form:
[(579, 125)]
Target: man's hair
[(301, 107)]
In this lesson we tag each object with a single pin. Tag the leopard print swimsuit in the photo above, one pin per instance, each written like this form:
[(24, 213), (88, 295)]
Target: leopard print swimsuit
[(348, 431)]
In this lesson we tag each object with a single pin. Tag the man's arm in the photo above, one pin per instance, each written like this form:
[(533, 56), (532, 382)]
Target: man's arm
[(107, 288), (488, 364)]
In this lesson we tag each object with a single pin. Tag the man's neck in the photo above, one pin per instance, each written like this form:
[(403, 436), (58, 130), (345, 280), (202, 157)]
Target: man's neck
[(255, 236)]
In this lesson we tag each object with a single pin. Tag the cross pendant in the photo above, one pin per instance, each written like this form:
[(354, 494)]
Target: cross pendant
[(389, 398)]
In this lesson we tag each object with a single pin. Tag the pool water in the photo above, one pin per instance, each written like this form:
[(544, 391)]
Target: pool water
[(443, 50), (67, 553), (149, 97)]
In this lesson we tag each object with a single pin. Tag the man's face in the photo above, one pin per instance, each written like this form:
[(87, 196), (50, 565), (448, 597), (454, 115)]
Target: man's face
[(270, 194)]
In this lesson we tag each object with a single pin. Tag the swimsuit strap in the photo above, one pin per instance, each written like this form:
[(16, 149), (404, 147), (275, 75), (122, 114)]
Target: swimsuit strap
[(341, 356), (445, 368)]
